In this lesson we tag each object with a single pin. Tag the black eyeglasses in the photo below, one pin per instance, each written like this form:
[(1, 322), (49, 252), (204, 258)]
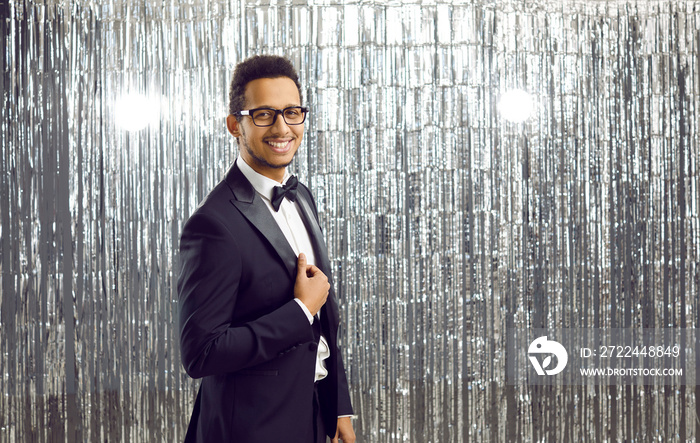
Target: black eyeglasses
[(293, 115)]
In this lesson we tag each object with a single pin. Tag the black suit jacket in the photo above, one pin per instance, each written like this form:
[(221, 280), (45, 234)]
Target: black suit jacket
[(241, 330)]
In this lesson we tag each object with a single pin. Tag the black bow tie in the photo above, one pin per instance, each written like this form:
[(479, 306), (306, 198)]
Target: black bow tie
[(289, 190)]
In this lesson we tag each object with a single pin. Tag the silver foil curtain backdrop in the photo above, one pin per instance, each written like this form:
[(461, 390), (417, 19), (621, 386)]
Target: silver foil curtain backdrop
[(446, 223)]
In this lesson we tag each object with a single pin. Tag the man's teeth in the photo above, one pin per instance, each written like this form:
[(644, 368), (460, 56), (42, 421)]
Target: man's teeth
[(278, 145)]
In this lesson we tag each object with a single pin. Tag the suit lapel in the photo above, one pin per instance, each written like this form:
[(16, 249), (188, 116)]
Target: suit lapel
[(254, 209), (330, 313), (316, 235)]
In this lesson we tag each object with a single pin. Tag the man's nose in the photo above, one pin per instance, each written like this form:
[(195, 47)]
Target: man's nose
[(279, 124)]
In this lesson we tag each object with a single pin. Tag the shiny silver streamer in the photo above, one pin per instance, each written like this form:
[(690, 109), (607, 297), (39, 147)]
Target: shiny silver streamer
[(447, 225)]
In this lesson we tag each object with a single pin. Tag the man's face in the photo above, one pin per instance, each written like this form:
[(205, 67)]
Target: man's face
[(268, 150)]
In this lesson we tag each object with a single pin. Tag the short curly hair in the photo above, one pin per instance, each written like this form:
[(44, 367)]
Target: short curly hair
[(253, 68)]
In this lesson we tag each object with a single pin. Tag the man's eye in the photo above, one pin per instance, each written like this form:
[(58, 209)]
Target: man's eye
[(292, 112), (263, 114)]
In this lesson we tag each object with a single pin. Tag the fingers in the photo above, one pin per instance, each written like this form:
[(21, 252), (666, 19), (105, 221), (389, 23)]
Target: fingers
[(312, 271), (337, 434), (311, 286), (345, 432), (301, 266), (304, 269)]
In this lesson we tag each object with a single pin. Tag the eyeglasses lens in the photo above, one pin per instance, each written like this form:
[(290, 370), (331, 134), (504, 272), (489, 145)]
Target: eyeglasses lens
[(266, 117)]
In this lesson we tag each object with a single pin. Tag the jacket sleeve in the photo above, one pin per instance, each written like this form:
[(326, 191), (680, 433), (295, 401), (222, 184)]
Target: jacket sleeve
[(208, 286), (344, 404)]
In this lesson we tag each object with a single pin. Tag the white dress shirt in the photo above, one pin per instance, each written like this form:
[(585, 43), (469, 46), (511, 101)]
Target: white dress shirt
[(290, 221)]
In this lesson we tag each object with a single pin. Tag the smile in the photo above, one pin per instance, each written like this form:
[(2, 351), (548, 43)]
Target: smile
[(280, 146)]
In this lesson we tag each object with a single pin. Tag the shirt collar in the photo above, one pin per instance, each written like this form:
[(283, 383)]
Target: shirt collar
[(262, 185)]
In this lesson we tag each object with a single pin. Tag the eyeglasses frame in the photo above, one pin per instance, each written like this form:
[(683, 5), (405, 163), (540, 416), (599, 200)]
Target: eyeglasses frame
[(277, 112)]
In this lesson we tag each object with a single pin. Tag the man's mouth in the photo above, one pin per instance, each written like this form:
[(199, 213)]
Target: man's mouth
[(280, 146)]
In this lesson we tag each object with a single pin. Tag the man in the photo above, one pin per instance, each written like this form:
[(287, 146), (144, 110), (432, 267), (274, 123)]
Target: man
[(258, 315)]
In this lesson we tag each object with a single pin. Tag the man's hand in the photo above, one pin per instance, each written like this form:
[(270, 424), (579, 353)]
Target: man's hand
[(345, 432), (311, 286)]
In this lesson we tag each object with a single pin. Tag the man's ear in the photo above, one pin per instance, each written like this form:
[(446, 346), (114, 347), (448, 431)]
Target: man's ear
[(233, 125)]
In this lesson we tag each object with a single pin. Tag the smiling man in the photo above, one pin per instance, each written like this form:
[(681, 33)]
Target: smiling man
[(258, 314)]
